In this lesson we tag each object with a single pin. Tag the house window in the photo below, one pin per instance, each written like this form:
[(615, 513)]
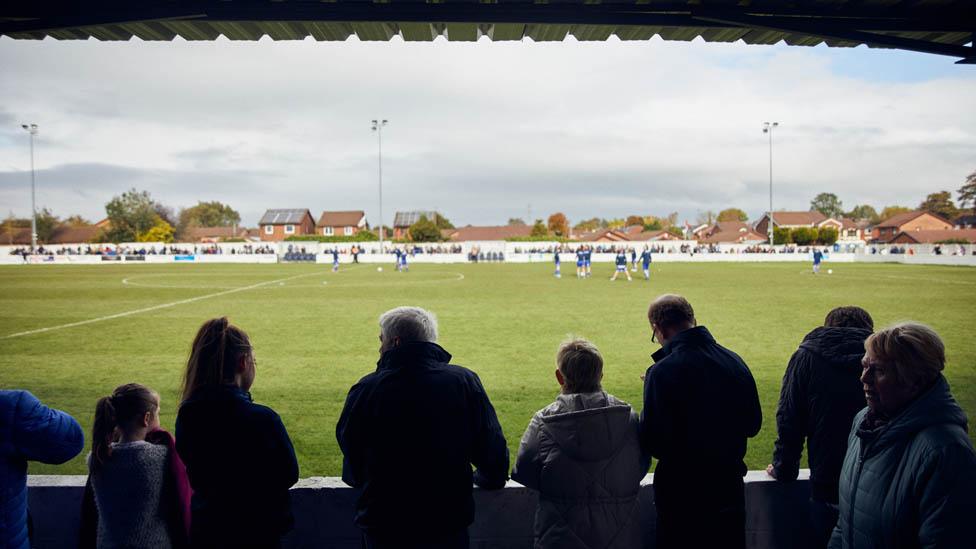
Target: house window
[(348, 231), (327, 231), (269, 229), (289, 229)]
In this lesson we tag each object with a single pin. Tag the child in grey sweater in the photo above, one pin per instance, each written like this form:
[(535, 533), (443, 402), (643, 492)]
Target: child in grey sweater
[(130, 476)]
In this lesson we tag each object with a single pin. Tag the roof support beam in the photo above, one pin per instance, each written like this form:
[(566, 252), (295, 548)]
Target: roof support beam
[(827, 30)]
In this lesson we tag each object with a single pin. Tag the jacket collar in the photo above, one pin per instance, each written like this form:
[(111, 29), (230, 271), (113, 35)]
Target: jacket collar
[(696, 336), (410, 353), (221, 391)]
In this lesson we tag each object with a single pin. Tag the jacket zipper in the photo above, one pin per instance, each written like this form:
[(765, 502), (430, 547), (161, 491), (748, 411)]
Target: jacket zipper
[(857, 479)]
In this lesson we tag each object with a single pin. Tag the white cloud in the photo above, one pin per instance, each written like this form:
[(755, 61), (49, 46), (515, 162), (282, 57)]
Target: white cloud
[(478, 130)]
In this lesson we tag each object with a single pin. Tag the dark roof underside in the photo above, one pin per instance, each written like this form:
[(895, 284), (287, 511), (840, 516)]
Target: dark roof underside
[(932, 26)]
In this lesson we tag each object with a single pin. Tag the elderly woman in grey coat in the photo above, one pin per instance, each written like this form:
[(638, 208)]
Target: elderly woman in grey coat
[(909, 476), (583, 456)]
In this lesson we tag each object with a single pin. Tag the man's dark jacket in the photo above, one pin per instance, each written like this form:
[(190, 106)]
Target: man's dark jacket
[(821, 394), (241, 463), (700, 406), (410, 432)]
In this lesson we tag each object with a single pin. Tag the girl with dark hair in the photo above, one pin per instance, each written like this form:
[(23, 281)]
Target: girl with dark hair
[(239, 457), (137, 486)]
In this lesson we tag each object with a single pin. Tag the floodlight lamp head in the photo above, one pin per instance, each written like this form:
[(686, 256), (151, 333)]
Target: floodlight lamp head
[(384, 122)]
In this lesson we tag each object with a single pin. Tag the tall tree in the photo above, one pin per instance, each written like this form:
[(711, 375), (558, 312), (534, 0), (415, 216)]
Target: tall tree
[(539, 229), (672, 220), (652, 224), (865, 212), (76, 221), (516, 221), (733, 214), (706, 217), (47, 222), (891, 211), (442, 222), (940, 203), (827, 204), (591, 224), (425, 230), (634, 220), (558, 224), (209, 214), (131, 214), (967, 193)]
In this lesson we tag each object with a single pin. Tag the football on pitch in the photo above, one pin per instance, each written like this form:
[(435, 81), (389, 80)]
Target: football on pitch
[(830, 271), (379, 269)]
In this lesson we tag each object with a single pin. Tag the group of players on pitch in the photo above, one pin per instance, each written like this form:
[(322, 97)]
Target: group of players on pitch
[(584, 255)]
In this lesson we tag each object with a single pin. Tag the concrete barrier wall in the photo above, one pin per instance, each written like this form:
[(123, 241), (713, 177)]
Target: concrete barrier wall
[(776, 513)]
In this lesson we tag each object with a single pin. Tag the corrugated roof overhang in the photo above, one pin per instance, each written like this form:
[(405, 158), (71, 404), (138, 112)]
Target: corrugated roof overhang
[(943, 27)]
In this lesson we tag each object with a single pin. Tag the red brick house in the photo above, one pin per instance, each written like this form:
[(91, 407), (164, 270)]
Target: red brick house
[(403, 220), (280, 224), (934, 236), (732, 232), (344, 223), (795, 220), (918, 220)]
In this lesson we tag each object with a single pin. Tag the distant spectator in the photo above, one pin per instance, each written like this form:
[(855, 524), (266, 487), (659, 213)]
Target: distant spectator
[(582, 454), (141, 493), (700, 408), (29, 431), (909, 475), (821, 394), (238, 455), (410, 432)]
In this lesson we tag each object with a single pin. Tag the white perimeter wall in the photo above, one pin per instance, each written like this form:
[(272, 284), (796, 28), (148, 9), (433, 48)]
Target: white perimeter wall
[(324, 507)]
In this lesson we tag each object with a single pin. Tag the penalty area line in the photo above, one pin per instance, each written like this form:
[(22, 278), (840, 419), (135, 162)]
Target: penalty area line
[(153, 308)]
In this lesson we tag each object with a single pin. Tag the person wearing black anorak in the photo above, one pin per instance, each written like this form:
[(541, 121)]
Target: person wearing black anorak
[(583, 456), (410, 432), (820, 396), (238, 455), (700, 408), (909, 475)]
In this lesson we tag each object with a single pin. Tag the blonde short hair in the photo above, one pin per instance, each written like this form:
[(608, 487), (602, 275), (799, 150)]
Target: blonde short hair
[(915, 351), (581, 365)]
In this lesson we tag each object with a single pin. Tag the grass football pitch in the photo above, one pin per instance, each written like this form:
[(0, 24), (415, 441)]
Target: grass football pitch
[(70, 334)]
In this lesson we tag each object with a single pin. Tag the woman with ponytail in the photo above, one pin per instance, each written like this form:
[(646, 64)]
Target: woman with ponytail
[(238, 455), (137, 493)]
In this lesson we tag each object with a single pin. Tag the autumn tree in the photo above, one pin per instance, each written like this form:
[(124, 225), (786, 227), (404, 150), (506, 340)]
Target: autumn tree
[(865, 212), (967, 193), (941, 204), (732, 214), (591, 224), (891, 211), (558, 224), (516, 221), (539, 229), (634, 220), (827, 204)]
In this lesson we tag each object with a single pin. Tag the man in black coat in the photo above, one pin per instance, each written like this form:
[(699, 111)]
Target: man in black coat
[(410, 432), (821, 394), (700, 407)]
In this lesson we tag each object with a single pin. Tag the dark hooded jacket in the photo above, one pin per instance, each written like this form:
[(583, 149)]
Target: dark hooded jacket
[(583, 456), (700, 407), (911, 482), (241, 463), (821, 394), (409, 434)]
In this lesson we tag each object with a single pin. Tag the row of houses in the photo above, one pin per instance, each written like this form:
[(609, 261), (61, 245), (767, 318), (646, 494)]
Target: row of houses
[(916, 227)]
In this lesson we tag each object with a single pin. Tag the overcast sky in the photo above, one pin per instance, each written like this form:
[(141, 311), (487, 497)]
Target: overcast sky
[(483, 131)]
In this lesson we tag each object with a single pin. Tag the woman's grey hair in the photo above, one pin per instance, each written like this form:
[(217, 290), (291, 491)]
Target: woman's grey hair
[(409, 324)]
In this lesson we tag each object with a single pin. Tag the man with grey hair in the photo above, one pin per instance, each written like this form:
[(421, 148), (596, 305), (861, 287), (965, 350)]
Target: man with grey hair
[(410, 432), (700, 407)]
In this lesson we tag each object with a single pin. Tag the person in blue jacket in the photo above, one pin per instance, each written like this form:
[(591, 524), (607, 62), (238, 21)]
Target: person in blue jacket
[(555, 258), (621, 261), (335, 260), (817, 258), (29, 431)]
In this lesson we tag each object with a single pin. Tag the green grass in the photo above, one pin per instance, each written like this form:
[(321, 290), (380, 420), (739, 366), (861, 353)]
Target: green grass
[(314, 340)]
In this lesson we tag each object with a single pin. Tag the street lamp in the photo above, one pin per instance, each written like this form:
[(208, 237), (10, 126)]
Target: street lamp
[(768, 129), (378, 128), (32, 130)]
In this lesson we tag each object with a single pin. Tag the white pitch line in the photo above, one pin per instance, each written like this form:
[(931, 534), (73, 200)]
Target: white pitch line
[(153, 308)]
